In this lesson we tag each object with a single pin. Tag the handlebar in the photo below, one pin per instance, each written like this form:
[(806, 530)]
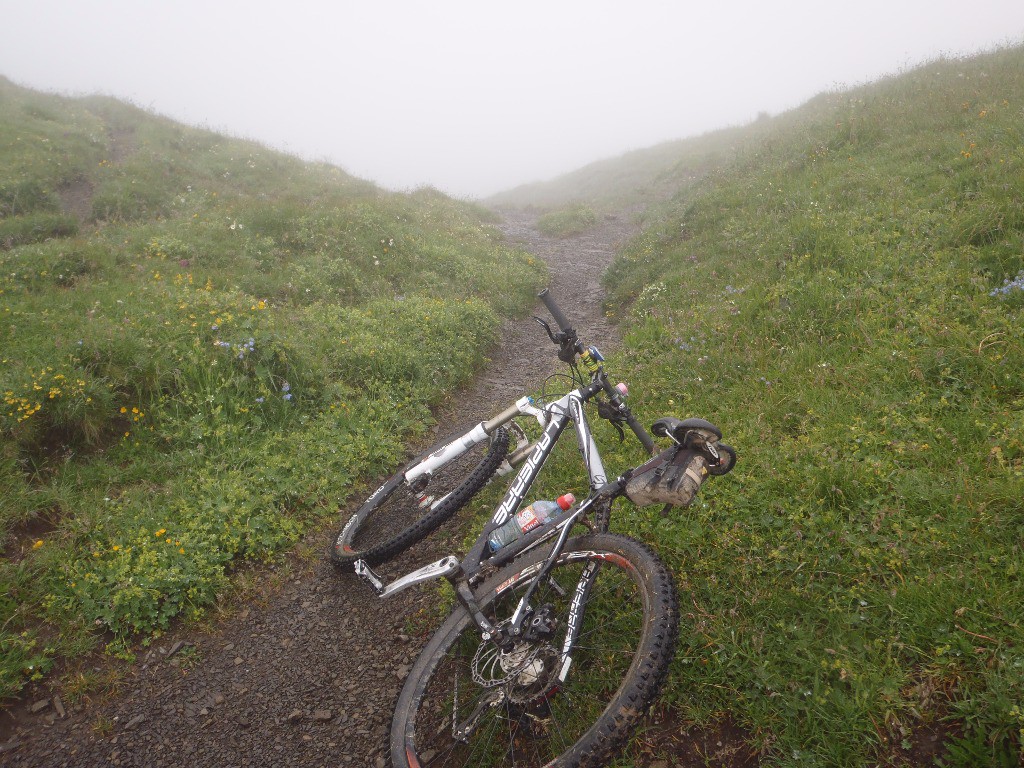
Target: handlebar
[(616, 397), (549, 302)]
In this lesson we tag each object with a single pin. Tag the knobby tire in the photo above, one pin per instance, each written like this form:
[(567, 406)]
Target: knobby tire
[(386, 526), (620, 660)]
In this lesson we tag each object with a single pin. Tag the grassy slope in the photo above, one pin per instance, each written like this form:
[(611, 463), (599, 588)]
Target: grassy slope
[(203, 371), (839, 299), (642, 177)]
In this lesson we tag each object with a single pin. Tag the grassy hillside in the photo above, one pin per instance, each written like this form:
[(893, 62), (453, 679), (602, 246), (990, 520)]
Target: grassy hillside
[(640, 178), (844, 297), (204, 345)]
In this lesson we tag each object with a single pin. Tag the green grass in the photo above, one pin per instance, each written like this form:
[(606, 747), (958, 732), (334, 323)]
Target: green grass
[(827, 298), (205, 366), (35, 228), (566, 222)]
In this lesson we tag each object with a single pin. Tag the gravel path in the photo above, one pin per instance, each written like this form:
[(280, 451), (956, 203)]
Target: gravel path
[(309, 675)]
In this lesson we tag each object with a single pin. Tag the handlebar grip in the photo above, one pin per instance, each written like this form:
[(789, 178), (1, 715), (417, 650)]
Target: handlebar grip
[(641, 434), (549, 302)]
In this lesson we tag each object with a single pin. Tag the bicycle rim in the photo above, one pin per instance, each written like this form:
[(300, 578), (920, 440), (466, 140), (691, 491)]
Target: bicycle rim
[(467, 704), (385, 526)]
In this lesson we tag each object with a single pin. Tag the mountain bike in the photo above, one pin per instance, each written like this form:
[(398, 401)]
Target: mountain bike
[(558, 643)]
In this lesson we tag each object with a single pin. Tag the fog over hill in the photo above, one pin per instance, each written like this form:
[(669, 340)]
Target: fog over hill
[(473, 98)]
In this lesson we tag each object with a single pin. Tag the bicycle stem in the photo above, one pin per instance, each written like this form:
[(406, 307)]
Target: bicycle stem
[(570, 345)]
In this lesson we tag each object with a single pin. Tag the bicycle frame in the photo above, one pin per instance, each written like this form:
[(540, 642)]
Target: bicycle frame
[(554, 418)]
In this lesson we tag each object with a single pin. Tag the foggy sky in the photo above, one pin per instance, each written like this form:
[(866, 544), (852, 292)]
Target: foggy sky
[(472, 96)]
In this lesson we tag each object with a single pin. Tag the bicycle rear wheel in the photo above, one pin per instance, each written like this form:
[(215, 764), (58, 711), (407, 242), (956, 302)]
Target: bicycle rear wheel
[(398, 514), (466, 703)]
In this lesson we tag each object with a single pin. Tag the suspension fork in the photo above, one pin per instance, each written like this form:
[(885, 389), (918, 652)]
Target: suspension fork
[(575, 620)]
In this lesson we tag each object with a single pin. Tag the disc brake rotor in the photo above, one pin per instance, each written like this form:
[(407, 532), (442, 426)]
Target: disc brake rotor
[(524, 672)]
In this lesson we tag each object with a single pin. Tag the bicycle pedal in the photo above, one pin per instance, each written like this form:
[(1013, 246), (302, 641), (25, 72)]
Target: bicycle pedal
[(365, 572)]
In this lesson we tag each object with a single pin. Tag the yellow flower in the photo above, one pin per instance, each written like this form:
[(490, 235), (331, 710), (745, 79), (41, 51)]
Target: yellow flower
[(181, 551), (38, 544), (116, 547), (160, 533), (123, 409)]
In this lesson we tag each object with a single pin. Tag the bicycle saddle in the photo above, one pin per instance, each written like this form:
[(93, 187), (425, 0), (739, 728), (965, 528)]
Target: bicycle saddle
[(677, 428)]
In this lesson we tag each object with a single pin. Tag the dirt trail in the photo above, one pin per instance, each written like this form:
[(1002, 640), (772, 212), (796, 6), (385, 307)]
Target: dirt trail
[(309, 676), (76, 195)]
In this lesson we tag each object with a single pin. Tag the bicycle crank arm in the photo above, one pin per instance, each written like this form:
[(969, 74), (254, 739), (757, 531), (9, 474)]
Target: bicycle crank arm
[(446, 566)]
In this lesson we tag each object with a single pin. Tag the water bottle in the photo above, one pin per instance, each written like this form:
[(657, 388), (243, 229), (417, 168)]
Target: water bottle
[(534, 516)]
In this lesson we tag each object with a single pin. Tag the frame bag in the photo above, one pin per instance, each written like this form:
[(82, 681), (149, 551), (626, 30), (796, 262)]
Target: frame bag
[(673, 477)]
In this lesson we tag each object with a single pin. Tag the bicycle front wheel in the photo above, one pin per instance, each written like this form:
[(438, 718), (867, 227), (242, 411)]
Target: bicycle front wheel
[(398, 514), (548, 701)]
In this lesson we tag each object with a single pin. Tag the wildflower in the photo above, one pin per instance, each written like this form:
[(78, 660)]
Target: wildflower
[(259, 399), (160, 533), (286, 387), (1016, 284), (38, 544)]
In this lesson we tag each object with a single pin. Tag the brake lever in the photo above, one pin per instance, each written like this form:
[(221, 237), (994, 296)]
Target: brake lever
[(556, 338), (607, 410)]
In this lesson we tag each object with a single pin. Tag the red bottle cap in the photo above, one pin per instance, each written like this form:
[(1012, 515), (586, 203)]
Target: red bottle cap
[(566, 501)]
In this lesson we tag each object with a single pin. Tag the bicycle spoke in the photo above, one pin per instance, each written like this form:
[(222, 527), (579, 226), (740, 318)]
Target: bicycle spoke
[(534, 717)]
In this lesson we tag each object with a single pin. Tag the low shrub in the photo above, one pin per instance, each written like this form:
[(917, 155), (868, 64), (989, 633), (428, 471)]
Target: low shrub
[(35, 228)]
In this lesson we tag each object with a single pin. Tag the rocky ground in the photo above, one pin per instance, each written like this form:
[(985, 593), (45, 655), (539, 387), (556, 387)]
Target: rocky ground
[(307, 675)]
